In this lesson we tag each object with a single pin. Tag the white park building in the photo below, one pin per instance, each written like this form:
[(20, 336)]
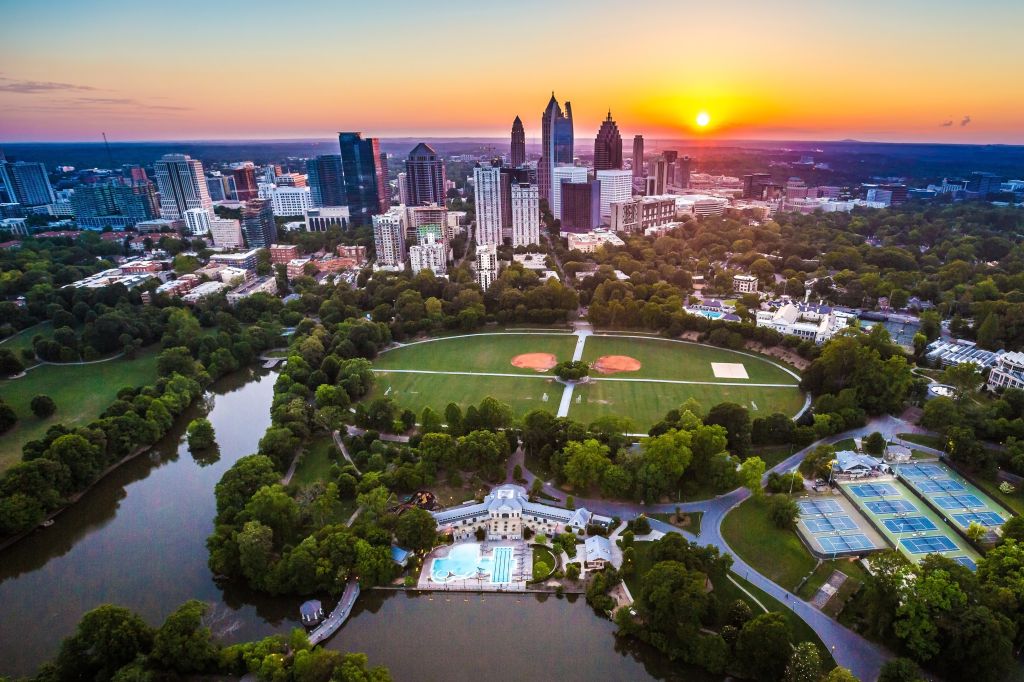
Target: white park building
[(507, 510)]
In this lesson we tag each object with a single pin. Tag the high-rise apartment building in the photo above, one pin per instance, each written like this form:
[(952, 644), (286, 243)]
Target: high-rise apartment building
[(198, 222), (486, 265), (289, 201), (561, 174), (487, 191), (670, 156), (325, 180), (429, 254), (681, 175), (616, 185), (27, 183), (608, 146), (403, 189), (517, 155), (525, 199), (389, 237), (421, 216), (182, 185), (365, 174), (556, 145), (246, 186), (659, 175), (638, 163), (258, 224), (581, 206), (226, 233), (425, 175)]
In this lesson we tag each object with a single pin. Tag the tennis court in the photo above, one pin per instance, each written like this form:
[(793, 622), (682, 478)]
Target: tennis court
[(829, 525), (929, 544), (953, 497), (832, 527), (964, 561), (837, 544), (819, 507), (889, 507), (873, 489), (909, 524)]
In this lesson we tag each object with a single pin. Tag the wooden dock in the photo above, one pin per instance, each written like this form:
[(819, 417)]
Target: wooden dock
[(338, 616)]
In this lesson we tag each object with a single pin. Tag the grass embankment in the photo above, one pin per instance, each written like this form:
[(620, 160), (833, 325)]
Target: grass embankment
[(543, 563), (81, 392), (774, 553), (316, 461)]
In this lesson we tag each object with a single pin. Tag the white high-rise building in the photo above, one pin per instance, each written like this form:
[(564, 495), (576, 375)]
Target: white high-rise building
[(525, 214), (389, 237), (430, 254), (616, 185), (487, 189), (182, 185), (403, 189), (288, 201), (226, 233), (486, 265), (568, 174), (197, 221)]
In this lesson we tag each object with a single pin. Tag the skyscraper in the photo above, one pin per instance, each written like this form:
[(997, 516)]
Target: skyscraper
[(258, 224), (182, 185), (608, 146), (670, 156), (562, 174), (517, 156), (616, 185), (525, 214), (403, 189), (326, 184), (389, 237), (487, 192), (27, 183), (425, 176), (638, 163), (246, 187), (365, 173), (682, 172), (556, 145), (581, 206)]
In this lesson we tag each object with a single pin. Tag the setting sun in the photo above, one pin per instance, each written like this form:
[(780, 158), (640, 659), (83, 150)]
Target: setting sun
[(703, 119)]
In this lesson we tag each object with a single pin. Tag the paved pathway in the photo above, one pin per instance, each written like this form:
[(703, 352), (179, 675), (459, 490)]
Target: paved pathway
[(344, 451)]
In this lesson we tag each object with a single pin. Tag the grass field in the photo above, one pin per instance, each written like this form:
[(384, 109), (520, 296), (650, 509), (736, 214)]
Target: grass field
[(23, 339), (667, 359), (477, 353), (81, 392), (774, 553), (646, 403), (320, 454), (416, 391)]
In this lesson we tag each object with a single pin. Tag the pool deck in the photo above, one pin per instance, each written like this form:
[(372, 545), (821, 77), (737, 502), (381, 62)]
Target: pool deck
[(521, 569)]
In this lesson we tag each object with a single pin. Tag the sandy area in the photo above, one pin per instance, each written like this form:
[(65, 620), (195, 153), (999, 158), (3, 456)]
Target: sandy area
[(541, 362), (729, 370), (610, 364)]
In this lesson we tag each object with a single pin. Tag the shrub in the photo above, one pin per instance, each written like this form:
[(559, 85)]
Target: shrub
[(200, 434), (783, 511), (43, 406)]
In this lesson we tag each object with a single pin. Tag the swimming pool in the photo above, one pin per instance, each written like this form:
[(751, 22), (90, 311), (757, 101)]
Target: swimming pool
[(463, 562), (502, 565), (710, 314)]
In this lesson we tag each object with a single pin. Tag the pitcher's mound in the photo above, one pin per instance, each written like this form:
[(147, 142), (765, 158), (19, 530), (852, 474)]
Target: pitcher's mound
[(541, 362), (610, 364)]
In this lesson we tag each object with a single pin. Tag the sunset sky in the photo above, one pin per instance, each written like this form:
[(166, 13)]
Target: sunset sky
[(893, 70)]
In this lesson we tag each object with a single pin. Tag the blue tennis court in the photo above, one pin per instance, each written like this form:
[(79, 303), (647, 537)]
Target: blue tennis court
[(928, 544), (502, 567), (922, 470), (959, 502), (909, 524), (890, 507), (966, 561), (818, 507), (939, 485), (830, 524), (986, 518), (873, 490), (833, 544)]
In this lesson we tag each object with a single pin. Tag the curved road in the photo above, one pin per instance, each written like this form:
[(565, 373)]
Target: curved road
[(850, 650)]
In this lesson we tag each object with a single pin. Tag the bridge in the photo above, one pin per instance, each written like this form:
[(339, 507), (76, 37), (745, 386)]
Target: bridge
[(338, 616)]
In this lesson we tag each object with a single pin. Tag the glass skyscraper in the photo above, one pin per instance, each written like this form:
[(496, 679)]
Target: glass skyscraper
[(556, 144), (365, 174), (326, 183)]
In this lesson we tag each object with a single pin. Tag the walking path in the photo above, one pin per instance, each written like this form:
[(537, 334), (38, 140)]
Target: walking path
[(583, 330), (338, 616), (344, 451)]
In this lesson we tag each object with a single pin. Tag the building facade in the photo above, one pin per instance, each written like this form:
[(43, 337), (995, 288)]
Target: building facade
[(27, 183), (563, 174), (429, 254), (556, 145), (486, 265), (425, 176), (323, 218), (226, 233), (641, 213), (487, 191), (744, 284), (517, 152), (258, 224), (616, 186), (389, 237), (182, 185), (365, 175), (325, 180), (1008, 372), (608, 146), (198, 222), (581, 206), (290, 201), (525, 214)]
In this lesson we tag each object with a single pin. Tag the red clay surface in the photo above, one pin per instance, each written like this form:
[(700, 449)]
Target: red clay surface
[(611, 364), (541, 362)]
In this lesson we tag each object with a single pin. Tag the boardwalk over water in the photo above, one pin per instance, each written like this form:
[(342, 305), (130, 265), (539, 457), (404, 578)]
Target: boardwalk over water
[(338, 616)]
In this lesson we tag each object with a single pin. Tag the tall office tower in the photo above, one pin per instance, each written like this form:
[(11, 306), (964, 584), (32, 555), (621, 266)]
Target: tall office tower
[(424, 171), (525, 214), (429, 254), (226, 233), (682, 172), (509, 176), (638, 163), (246, 187), (487, 191), (182, 185), (562, 174), (27, 183), (325, 179), (198, 222), (403, 189), (556, 145), (659, 174), (258, 224), (389, 237), (608, 146), (217, 186), (670, 157), (486, 265), (517, 155), (616, 185), (581, 206), (364, 170)]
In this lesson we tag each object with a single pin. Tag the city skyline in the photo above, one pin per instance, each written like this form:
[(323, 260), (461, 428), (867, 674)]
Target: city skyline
[(914, 72)]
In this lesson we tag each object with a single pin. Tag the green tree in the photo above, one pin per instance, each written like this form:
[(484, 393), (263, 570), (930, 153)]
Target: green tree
[(663, 460), (585, 463), (183, 643), (42, 406), (900, 670), (200, 434), (875, 443), (673, 600), (240, 483), (965, 378), (416, 529), (839, 674), (764, 645), (804, 664), (8, 417), (736, 420), (933, 595), (751, 471), (783, 511), (106, 639)]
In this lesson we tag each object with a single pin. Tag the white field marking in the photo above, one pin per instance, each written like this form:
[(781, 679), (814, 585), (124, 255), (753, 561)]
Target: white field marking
[(466, 336), (544, 398), (729, 370), (387, 391), (753, 405), (548, 378)]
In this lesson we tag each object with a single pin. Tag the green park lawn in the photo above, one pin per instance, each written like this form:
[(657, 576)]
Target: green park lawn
[(668, 359), (316, 461), (81, 392), (416, 391), (477, 353), (542, 555), (774, 553), (646, 403), (23, 339)]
